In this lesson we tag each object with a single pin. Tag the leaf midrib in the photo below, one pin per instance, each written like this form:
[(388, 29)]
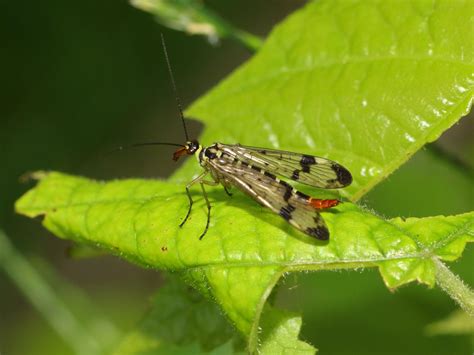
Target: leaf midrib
[(295, 266)]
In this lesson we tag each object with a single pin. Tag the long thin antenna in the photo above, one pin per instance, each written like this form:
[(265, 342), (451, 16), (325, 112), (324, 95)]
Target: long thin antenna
[(156, 143), (144, 144), (178, 102)]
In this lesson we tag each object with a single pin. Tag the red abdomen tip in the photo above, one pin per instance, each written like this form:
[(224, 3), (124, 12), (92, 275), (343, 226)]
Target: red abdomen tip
[(321, 204)]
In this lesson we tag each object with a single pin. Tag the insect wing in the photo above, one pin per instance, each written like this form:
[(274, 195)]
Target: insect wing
[(278, 196), (307, 169)]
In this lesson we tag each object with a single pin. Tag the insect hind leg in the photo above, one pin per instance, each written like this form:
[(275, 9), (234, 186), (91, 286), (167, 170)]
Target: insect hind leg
[(208, 210), (227, 191)]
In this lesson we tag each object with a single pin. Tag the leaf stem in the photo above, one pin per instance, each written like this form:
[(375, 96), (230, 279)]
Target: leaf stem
[(46, 300), (454, 287), (250, 41), (193, 17)]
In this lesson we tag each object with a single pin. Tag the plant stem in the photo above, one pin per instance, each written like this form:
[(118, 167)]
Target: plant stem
[(252, 42), (45, 299), (193, 17), (454, 287)]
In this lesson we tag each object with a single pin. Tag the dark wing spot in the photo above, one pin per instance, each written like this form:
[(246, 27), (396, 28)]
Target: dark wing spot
[(270, 175), (302, 195), (305, 168), (307, 160), (319, 232), (288, 192), (255, 168), (343, 175), (296, 175), (285, 212), (284, 183)]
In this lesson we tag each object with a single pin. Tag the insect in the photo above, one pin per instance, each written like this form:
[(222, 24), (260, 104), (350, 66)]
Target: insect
[(255, 171)]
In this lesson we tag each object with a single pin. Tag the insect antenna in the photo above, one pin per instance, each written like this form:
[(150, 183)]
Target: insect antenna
[(178, 103), (155, 143), (134, 145), (175, 90)]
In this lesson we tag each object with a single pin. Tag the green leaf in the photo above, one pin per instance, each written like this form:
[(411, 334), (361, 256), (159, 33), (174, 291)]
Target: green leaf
[(280, 329), (457, 323), (352, 80), (180, 322), (247, 248)]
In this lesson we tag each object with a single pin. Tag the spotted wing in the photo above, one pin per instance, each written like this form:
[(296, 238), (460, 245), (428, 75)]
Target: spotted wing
[(277, 195), (307, 169)]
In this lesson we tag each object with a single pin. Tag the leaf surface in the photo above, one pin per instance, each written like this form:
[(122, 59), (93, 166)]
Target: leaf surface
[(247, 248), (180, 321)]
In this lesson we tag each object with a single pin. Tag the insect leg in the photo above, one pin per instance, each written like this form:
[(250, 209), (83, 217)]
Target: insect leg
[(208, 208), (188, 186)]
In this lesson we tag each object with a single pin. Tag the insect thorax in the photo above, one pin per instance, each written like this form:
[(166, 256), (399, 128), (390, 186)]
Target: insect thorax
[(209, 153)]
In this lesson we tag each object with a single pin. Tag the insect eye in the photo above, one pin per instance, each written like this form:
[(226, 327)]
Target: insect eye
[(192, 147)]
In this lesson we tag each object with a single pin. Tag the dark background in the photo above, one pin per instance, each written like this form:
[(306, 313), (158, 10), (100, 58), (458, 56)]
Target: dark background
[(82, 78)]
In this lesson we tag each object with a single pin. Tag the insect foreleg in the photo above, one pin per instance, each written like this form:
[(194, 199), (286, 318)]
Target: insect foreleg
[(188, 186)]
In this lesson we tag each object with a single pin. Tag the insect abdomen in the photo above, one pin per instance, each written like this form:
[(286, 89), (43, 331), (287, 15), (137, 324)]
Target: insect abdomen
[(290, 191)]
